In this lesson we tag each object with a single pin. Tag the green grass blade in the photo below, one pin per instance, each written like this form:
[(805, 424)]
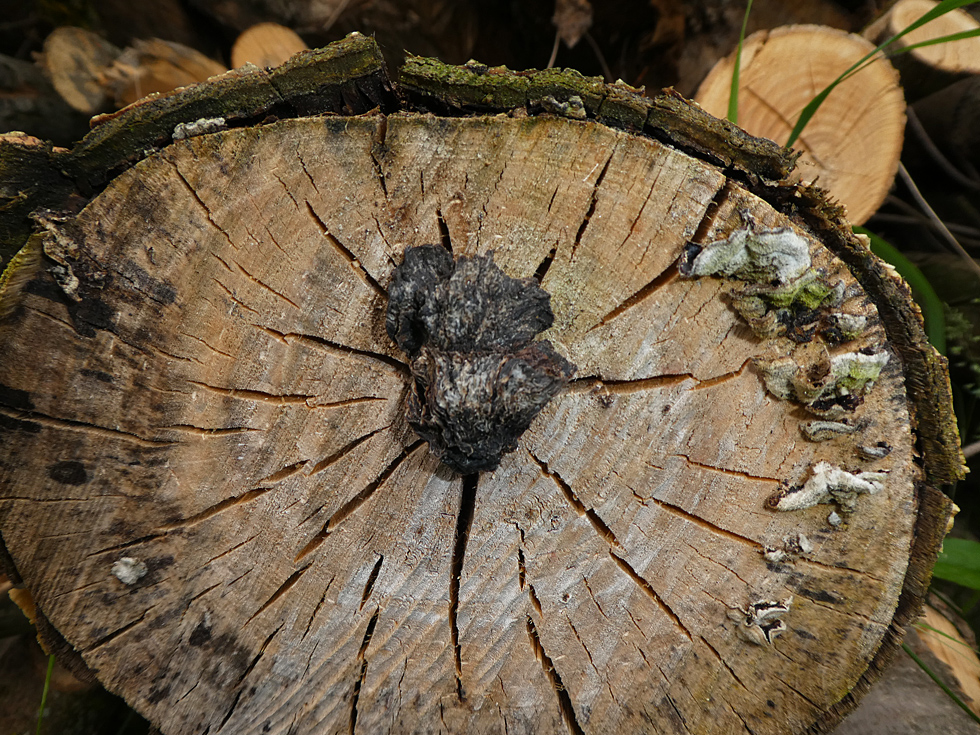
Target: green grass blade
[(941, 39), (933, 314), (941, 9), (935, 631), (949, 692), (733, 95), (959, 562), (44, 694)]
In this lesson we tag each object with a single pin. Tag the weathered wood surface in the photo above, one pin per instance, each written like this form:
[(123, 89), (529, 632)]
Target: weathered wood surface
[(209, 486)]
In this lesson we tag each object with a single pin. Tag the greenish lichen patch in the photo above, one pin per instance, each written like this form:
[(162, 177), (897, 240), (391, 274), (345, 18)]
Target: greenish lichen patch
[(797, 310), (829, 390)]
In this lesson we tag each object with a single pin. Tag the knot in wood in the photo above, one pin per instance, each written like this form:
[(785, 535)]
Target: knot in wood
[(479, 377)]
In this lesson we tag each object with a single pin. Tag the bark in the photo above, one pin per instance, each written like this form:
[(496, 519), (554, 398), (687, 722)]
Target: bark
[(211, 488)]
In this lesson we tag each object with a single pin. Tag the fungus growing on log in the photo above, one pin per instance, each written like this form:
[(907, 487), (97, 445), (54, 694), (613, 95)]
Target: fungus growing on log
[(467, 328), (211, 488)]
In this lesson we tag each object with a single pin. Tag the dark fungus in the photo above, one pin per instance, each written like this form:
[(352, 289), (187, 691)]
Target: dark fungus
[(468, 329)]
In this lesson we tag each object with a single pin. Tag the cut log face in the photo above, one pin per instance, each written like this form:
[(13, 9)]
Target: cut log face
[(853, 142), (210, 486)]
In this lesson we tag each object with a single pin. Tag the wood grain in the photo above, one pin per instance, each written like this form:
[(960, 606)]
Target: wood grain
[(214, 395)]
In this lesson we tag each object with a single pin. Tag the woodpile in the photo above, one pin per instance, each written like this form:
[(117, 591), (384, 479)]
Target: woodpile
[(221, 479)]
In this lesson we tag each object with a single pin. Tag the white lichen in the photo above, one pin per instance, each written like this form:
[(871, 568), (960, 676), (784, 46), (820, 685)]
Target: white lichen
[(761, 621), (873, 452), (129, 570), (851, 374), (834, 519), (830, 484), (820, 431), (792, 547), (198, 127), (768, 256)]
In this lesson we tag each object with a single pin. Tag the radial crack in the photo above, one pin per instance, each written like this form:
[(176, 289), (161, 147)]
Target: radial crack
[(346, 253), (598, 524), (212, 511), (372, 578), (255, 661), (287, 471), (355, 502), (197, 198), (447, 241), (283, 589), (233, 297), (564, 701), (724, 470), (266, 286), (205, 432), (545, 265), (650, 592), (464, 521), (30, 416), (362, 669), (332, 347), (331, 459), (316, 610), (668, 275), (254, 395), (592, 206), (707, 525), (116, 633), (625, 387)]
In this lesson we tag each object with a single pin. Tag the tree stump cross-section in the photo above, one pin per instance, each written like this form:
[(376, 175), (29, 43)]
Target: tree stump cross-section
[(210, 486)]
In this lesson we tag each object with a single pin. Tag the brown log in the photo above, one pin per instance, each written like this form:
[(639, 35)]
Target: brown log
[(152, 66), (74, 60), (212, 491), (852, 144), (929, 68), (265, 45)]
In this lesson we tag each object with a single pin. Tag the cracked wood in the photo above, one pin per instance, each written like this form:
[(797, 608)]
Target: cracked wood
[(231, 410)]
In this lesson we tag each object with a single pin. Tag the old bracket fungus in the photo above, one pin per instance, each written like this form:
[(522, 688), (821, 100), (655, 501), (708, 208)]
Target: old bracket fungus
[(467, 328), (279, 453)]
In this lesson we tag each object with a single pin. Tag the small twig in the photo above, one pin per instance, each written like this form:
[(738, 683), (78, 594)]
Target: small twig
[(917, 195), (944, 163), (969, 234), (971, 450), (335, 15), (606, 71), (554, 51)]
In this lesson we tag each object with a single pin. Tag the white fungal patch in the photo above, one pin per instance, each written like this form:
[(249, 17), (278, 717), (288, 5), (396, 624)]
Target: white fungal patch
[(850, 326), (761, 621), (129, 570), (198, 127), (843, 376), (769, 256), (873, 452), (830, 484), (791, 548), (820, 431)]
